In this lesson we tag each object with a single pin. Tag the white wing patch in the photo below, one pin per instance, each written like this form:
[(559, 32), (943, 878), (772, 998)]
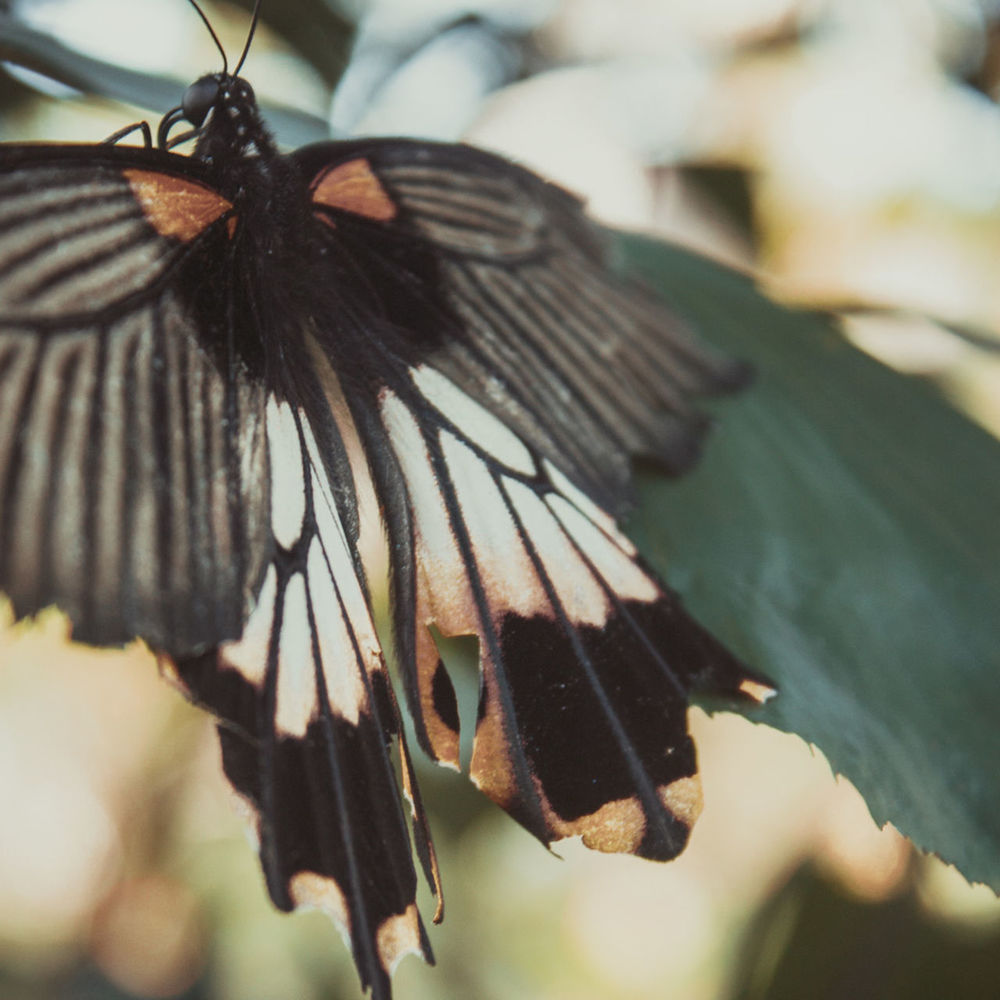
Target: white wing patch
[(588, 508), (323, 608), (344, 687), (578, 590), (509, 510), (297, 702), (437, 552), (338, 558), (475, 421), (288, 498), (249, 653), (503, 562), (618, 567)]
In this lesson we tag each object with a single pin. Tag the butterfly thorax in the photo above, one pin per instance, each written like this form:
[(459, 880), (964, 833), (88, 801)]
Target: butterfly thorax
[(272, 220)]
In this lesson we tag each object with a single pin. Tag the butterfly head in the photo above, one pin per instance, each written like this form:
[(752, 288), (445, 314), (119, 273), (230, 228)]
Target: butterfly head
[(221, 109), (224, 118)]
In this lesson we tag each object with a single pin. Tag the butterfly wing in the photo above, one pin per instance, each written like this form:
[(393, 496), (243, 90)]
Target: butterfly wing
[(160, 478), (156, 481), (500, 279), (512, 378), (131, 460), (309, 720)]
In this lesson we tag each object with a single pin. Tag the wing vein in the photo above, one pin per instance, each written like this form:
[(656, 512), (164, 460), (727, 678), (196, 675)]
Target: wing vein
[(526, 788), (645, 787)]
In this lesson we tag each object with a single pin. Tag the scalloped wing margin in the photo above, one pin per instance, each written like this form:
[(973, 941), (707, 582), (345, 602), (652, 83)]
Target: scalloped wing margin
[(587, 659), (309, 724)]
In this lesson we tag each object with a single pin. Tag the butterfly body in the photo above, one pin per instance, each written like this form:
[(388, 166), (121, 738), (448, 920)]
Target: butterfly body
[(188, 345)]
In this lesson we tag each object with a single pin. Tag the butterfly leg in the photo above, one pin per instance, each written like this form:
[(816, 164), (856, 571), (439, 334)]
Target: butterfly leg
[(123, 133)]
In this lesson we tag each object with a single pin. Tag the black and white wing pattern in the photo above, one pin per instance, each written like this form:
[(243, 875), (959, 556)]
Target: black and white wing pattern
[(503, 404), (155, 483), (132, 461), (308, 718), (186, 343)]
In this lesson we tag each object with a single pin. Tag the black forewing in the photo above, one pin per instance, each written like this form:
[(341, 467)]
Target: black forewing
[(133, 491), (531, 320)]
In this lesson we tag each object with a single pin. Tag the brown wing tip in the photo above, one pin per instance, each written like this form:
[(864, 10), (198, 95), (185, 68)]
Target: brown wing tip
[(399, 934), (684, 799), (622, 826), (616, 828), (311, 890)]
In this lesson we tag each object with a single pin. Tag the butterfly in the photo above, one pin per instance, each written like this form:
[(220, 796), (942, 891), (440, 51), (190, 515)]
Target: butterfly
[(191, 348)]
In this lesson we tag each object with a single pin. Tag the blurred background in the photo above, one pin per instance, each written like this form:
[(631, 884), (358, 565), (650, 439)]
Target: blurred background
[(848, 152)]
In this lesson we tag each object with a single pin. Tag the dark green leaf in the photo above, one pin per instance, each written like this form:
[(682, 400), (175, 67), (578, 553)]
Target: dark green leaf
[(843, 535)]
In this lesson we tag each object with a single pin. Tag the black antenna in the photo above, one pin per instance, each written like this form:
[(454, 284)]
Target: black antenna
[(253, 27), (215, 37)]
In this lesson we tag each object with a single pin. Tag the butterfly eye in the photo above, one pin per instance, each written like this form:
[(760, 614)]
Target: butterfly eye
[(199, 99)]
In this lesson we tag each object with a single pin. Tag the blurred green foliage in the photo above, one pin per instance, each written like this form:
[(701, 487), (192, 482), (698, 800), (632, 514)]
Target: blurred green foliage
[(812, 939)]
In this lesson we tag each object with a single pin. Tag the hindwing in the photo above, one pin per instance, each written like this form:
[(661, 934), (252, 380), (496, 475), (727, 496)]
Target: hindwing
[(509, 379), (309, 720)]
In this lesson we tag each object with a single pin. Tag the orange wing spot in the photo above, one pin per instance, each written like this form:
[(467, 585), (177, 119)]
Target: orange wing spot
[(353, 187), (759, 692), (176, 207)]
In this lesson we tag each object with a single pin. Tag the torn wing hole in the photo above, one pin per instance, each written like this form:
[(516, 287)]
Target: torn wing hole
[(460, 656)]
